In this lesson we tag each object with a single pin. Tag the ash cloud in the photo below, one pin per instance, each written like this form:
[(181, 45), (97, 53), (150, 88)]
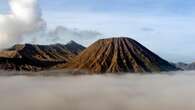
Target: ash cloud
[(166, 91), (24, 17), (24, 24)]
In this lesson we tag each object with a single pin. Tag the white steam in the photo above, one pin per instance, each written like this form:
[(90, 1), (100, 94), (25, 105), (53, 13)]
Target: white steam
[(62, 34), (167, 91), (24, 17), (24, 24)]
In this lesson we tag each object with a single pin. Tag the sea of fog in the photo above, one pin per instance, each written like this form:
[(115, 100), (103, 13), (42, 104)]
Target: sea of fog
[(166, 91)]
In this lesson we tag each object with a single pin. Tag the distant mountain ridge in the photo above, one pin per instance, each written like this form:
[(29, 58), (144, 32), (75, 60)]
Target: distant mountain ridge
[(30, 57), (186, 66), (74, 47), (115, 55)]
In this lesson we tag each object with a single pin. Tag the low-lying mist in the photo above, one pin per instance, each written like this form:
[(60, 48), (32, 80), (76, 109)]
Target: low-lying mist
[(166, 91)]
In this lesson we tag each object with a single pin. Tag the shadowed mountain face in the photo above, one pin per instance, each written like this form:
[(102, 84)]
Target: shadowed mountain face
[(30, 57), (191, 66), (74, 47), (181, 65), (116, 55), (186, 66)]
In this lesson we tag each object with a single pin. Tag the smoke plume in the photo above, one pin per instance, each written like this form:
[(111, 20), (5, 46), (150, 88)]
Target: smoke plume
[(24, 17), (62, 34), (24, 24)]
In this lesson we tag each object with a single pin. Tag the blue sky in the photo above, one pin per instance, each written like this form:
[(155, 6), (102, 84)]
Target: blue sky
[(167, 27), (178, 7)]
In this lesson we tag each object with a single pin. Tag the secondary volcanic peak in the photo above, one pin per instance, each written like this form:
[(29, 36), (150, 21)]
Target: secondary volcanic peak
[(30, 57), (121, 54)]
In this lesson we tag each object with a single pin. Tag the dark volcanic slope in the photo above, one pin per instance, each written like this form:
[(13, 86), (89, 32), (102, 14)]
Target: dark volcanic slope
[(118, 55), (37, 57), (74, 47)]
